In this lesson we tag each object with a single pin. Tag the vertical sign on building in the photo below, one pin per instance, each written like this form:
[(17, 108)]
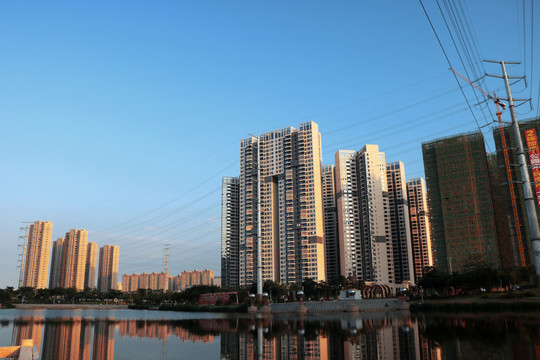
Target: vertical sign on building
[(534, 157)]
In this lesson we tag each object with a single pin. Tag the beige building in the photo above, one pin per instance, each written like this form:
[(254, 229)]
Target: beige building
[(292, 221), (420, 226), (36, 262), (363, 224), (73, 259), (108, 268), (398, 210), (91, 262), (56, 263)]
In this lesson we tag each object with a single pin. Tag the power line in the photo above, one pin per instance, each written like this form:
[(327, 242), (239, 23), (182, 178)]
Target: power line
[(450, 65)]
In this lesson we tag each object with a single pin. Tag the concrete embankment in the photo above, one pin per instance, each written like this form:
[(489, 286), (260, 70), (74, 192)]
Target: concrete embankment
[(371, 305), (69, 306)]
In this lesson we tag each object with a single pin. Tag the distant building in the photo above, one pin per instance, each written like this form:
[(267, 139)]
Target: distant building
[(331, 240), (460, 201), (91, 262), (230, 230), (56, 263), (398, 210), (420, 227), (108, 268), (73, 261), (292, 223), (36, 262), (365, 238)]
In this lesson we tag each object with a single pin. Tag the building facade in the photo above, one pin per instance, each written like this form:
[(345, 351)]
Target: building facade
[(292, 221), (91, 262), (230, 230), (36, 262), (331, 241), (73, 261), (460, 201), (365, 239), (108, 268), (398, 210), (420, 227)]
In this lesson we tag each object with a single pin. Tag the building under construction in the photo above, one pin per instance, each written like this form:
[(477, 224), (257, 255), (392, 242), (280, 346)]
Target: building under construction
[(513, 225), (460, 199)]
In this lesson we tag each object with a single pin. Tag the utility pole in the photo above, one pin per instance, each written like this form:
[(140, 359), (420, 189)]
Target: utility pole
[(530, 206), (259, 250)]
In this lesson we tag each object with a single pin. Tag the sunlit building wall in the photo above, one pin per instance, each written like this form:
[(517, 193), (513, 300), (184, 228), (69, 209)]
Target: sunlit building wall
[(38, 248), (292, 221), (73, 266), (398, 210), (91, 262), (108, 268), (420, 227)]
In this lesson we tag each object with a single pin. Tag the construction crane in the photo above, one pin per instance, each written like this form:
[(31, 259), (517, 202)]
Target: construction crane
[(499, 105)]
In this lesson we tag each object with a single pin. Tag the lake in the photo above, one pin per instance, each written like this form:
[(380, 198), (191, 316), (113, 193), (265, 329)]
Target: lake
[(131, 334)]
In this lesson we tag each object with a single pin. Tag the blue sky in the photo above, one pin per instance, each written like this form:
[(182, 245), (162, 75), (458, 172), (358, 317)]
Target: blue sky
[(121, 117)]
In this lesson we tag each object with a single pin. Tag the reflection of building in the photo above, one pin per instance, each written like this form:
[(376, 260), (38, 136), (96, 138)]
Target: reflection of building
[(36, 263), (68, 339), (108, 268), (103, 340), (29, 328)]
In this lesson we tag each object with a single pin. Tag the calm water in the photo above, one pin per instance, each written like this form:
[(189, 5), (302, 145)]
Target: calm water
[(129, 334)]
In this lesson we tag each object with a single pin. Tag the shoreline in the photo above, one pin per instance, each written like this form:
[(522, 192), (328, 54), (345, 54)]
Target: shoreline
[(69, 306)]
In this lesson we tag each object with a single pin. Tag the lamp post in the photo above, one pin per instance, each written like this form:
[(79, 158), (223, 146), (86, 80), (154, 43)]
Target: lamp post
[(259, 250)]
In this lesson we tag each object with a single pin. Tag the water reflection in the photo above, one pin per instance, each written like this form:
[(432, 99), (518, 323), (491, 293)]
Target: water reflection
[(365, 336)]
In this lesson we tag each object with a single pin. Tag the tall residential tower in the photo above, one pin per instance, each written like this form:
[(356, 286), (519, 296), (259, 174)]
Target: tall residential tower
[(38, 247), (291, 205), (108, 268)]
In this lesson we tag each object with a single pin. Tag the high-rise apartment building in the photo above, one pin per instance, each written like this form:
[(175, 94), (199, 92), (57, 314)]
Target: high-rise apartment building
[(420, 227), (331, 244), (90, 270), (365, 238), (292, 221), (460, 200), (56, 263), (36, 262), (108, 268), (398, 209), (229, 230), (73, 263)]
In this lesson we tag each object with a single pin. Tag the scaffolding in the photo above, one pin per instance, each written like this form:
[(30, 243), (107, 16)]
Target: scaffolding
[(463, 219), (506, 193)]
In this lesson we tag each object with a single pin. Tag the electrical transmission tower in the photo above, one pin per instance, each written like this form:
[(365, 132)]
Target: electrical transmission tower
[(530, 206), (24, 246), (166, 257)]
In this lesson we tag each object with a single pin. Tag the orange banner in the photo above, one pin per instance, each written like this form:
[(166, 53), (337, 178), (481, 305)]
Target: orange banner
[(534, 157)]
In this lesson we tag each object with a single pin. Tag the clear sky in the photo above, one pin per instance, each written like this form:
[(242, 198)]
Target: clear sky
[(121, 117)]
